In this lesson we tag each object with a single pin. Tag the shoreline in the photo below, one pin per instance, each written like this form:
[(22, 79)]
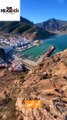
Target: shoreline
[(59, 33), (41, 54)]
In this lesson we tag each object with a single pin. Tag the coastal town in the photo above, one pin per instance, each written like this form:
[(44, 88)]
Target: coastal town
[(13, 45)]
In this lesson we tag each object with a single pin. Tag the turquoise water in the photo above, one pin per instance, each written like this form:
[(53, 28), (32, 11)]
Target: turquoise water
[(59, 41)]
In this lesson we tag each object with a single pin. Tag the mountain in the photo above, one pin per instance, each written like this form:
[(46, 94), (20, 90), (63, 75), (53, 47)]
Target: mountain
[(37, 33), (53, 25), (47, 82), (16, 27), (24, 27)]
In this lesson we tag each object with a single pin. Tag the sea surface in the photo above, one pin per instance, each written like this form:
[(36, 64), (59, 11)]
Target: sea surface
[(59, 41)]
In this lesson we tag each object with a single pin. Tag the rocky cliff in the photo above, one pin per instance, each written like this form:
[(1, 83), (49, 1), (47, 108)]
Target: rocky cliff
[(47, 82)]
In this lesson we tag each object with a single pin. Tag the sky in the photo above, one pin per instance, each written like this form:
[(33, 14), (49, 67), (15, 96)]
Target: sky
[(42, 10)]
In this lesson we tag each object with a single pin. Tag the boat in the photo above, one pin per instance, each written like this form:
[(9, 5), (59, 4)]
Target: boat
[(50, 50)]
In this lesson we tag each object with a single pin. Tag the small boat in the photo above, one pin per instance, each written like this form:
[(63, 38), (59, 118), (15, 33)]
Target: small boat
[(50, 50)]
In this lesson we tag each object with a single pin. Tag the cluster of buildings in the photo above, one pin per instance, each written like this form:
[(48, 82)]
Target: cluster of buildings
[(13, 44), (17, 41)]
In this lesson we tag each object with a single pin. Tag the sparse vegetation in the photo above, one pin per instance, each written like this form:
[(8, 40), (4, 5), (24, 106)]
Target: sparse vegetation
[(45, 75), (65, 63)]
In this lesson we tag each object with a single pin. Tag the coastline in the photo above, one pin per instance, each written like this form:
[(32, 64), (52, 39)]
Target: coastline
[(59, 33)]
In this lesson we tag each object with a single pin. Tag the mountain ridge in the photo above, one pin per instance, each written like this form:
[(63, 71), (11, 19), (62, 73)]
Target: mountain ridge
[(25, 28), (53, 25)]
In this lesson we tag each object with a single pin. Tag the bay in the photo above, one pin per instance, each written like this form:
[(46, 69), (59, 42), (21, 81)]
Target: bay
[(59, 41)]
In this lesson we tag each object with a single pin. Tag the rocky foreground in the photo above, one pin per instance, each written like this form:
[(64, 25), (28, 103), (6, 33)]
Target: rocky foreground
[(47, 82)]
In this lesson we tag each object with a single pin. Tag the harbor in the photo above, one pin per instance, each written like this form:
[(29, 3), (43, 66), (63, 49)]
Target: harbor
[(35, 55), (31, 63), (28, 53), (18, 63)]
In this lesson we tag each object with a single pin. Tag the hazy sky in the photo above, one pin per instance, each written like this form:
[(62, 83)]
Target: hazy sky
[(41, 10)]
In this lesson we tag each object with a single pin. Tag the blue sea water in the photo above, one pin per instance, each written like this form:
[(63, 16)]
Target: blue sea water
[(59, 41)]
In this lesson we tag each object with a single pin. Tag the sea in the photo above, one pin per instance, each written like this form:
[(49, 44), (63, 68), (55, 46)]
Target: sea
[(59, 41)]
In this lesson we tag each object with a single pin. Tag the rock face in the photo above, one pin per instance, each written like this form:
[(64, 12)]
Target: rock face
[(47, 83), (5, 54)]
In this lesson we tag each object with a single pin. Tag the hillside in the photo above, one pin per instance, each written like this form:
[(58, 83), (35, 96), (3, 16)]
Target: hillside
[(47, 82), (17, 27), (24, 27), (37, 33), (53, 25)]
